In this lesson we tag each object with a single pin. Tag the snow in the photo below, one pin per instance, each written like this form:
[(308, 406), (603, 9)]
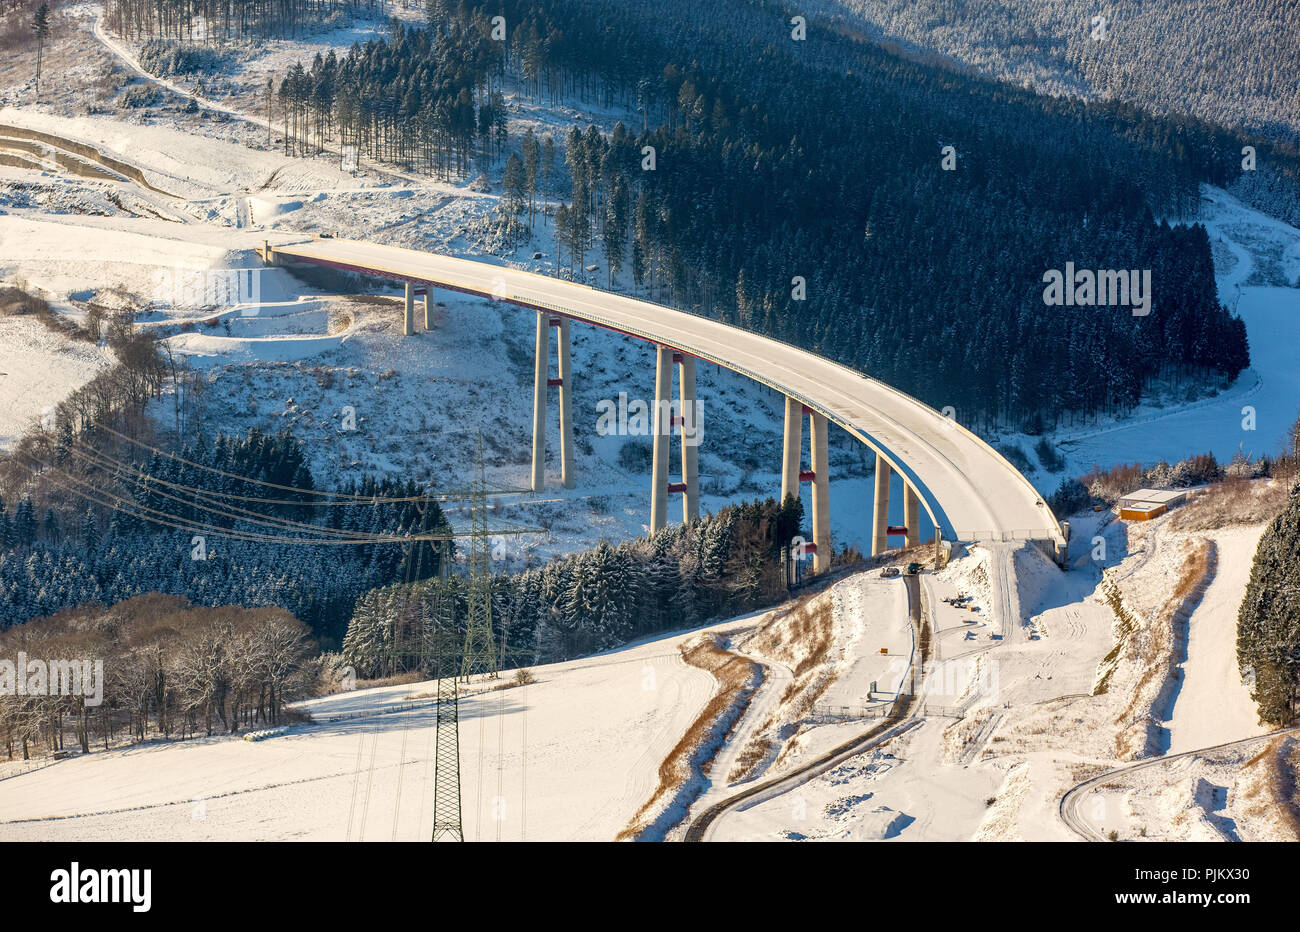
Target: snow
[(867, 613), (569, 757), (1031, 727), (598, 728), (590, 734), (264, 209), (876, 645), (965, 486), (90, 254), (1213, 705), (1257, 264), (1220, 796), (572, 756), (877, 796), (39, 368), (291, 332)]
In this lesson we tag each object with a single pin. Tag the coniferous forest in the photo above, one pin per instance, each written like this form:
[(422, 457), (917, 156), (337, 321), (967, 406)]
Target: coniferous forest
[(201, 524), (682, 576), (930, 279), (802, 188), (1268, 623)]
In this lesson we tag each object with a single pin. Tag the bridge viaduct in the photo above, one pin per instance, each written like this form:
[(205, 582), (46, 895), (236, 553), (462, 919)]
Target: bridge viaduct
[(968, 490)]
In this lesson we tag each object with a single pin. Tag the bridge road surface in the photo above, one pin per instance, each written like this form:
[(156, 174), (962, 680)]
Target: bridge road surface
[(968, 489)]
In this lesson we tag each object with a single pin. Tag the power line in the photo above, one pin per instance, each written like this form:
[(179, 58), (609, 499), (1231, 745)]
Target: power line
[(152, 516), (234, 512), (283, 488), (166, 519), (101, 460)]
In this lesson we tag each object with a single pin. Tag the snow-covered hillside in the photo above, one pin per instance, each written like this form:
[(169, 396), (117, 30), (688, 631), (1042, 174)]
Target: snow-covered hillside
[(211, 187), (570, 756), (123, 208)]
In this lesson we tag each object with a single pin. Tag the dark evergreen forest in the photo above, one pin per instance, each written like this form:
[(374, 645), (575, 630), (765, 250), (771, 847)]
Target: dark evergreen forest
[(201, 524), (822, 160), (818, 161), (682, 576), (1268, 622)]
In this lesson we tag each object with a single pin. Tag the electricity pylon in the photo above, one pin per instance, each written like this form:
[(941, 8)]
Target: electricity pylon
[(446, 760), (480, 655)]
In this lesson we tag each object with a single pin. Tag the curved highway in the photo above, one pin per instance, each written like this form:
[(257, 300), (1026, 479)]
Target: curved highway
[(969, 490)]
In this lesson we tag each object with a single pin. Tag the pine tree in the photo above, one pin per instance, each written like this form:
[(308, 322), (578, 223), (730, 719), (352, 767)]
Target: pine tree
[(515, 185), (24, 526), (532, 165), (41, 27), (1268, 622)]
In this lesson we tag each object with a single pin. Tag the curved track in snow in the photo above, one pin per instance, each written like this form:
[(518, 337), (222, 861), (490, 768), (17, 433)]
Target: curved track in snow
[(902, 717), (1069, 806)]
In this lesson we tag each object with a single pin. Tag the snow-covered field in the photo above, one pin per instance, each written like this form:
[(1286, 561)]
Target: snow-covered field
[(569, 757), (47, 367), (1009, 725), (1213, 705)]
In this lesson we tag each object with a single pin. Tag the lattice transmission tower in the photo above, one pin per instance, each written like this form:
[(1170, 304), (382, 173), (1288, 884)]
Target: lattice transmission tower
[(480, 655), (446, 760)]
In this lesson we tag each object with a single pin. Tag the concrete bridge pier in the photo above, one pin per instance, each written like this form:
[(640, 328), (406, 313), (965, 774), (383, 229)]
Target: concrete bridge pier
[(792, 449), (660, 452), (821, 500), (564, 366), (427, 291), (683, 416), (542, 381), (408, 312), (880, 519), (912, 514), (689, 420), (792, 474)]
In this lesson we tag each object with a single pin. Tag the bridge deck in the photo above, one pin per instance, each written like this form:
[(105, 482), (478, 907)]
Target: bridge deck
[(969, 490)]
